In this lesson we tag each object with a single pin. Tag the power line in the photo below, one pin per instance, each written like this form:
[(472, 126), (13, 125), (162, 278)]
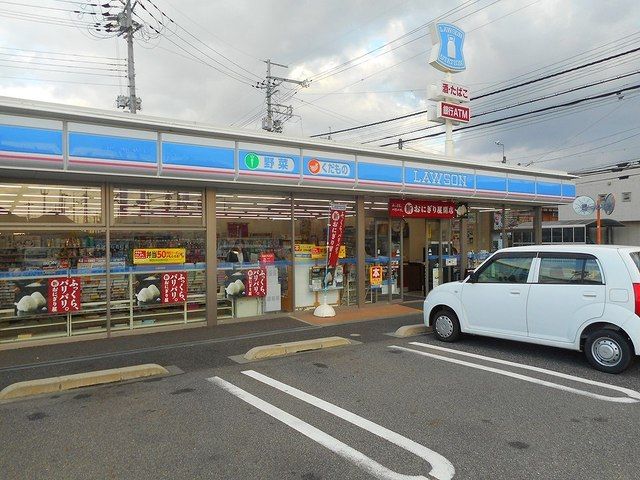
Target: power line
[(36, 61), (562, 72), (498, 120), (74, 55), (527, 102), (65, 71), (252, 76), (59, 81), (421, 112)]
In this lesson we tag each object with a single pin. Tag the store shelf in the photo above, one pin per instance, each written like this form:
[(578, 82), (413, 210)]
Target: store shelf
[(22, 327)]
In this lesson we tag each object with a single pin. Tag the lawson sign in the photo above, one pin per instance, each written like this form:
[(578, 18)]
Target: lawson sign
[(439, 178)]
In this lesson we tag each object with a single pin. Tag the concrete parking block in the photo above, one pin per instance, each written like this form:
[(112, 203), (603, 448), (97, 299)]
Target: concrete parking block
[(68, 382), (411, 330), (281, 349)]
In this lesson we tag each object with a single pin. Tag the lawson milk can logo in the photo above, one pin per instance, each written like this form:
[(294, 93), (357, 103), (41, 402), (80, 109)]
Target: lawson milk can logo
[(448, 42)]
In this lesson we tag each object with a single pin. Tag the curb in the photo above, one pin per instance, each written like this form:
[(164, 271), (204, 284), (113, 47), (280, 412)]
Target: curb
[(411, 330), (281, 349), (68, 382)]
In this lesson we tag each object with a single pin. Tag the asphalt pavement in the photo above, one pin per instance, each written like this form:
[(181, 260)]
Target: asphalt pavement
[(386, 408)]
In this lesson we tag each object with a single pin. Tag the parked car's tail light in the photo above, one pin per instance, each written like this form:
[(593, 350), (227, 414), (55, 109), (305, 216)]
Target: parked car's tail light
[(636, 291)]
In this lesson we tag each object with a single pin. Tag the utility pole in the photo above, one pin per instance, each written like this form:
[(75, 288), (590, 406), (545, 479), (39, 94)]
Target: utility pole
[(270, 85), (127, 27)]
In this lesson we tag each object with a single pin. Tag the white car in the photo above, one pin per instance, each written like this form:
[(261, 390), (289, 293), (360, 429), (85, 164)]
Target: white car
[(580, 297)]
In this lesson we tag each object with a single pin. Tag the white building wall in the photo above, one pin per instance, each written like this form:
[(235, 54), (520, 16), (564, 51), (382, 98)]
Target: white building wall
[(627, 212)]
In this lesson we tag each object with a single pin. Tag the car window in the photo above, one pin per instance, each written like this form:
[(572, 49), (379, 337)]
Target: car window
[(635, 256), (506, 269), (572, 270)]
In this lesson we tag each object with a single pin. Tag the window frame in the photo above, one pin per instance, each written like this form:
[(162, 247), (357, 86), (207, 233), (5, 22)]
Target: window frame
[(569, 255), (487, 264)]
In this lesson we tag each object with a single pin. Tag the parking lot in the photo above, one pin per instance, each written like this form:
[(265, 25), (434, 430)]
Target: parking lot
[(387, 408)]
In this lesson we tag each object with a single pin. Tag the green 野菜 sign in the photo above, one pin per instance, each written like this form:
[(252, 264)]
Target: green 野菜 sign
[(252, 161)]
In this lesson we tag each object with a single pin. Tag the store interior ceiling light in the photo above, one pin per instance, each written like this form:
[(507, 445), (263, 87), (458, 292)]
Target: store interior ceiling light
[(257, 198), (155, 192), (52, 197), (61, 187), (12, 185)]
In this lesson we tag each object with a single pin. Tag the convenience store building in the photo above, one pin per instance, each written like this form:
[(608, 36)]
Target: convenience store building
[(111, 223)]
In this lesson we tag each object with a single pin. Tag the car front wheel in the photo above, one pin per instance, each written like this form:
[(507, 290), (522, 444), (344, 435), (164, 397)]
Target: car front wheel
[(446, 326), (608, 351)]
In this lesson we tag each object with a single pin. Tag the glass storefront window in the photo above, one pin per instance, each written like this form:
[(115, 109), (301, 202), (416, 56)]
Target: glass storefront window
[(157, 278), (311, 216), (52, 283), (254, 249), (142, 206), (50, 204)]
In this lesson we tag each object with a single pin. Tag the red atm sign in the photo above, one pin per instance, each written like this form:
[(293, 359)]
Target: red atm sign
[(454, 111)]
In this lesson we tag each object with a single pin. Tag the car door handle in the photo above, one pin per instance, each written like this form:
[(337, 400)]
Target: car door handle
[(514, 292), (589, 295)]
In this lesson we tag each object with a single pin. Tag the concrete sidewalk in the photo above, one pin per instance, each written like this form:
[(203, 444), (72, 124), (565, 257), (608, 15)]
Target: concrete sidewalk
[(141, 342), (355, 314)]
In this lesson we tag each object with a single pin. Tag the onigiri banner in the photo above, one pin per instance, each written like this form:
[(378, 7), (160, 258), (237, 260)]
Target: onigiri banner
[(153, 289), (47, 296), (64, 294)]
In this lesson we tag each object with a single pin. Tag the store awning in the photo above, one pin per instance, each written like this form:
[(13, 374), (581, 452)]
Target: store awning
[(587, 222)]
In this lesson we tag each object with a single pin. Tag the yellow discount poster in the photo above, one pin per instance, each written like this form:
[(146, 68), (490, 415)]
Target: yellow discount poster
[(155, 256)]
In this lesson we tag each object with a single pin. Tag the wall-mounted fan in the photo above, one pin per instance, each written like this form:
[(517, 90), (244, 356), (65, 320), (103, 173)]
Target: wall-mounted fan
[(584, 205), (608, 203)]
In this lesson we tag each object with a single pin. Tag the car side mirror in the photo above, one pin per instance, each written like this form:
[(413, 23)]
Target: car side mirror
[(473, 277)]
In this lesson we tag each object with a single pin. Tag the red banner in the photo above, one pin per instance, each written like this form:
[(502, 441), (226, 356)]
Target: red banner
[(268, 257), (173, 287), (257, 282), (64, 295), (399, 208), (336, 232)]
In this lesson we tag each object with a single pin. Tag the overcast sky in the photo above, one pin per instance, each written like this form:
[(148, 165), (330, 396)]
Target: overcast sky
[(507, 42)]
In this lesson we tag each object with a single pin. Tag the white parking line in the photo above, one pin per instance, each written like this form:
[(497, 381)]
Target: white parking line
[(441, 467), (440, 471), (632, 395)]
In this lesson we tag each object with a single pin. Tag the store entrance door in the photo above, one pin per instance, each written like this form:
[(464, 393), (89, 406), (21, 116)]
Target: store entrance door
[(383, 247), (440, 257)]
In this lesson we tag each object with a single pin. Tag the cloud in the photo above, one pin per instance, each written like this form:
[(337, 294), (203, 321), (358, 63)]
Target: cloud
[(507, 42)]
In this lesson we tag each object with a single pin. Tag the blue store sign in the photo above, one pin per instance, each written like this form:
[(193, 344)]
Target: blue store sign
[(447, 53)]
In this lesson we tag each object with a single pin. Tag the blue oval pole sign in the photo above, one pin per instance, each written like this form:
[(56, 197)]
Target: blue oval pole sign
[(447, 52)]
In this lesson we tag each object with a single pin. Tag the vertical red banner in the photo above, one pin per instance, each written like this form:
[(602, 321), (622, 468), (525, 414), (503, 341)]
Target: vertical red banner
[(64, 295), (257, 282), (174, 287), (336, 232)]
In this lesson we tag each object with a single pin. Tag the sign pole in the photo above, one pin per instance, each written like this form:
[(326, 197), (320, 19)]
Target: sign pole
[(448, 124), (598, 222)]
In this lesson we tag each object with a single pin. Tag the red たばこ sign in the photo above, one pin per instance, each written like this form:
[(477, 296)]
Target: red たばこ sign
[(399, 208), (64, 295), (257, 282), (336, 232), (173, 287)]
